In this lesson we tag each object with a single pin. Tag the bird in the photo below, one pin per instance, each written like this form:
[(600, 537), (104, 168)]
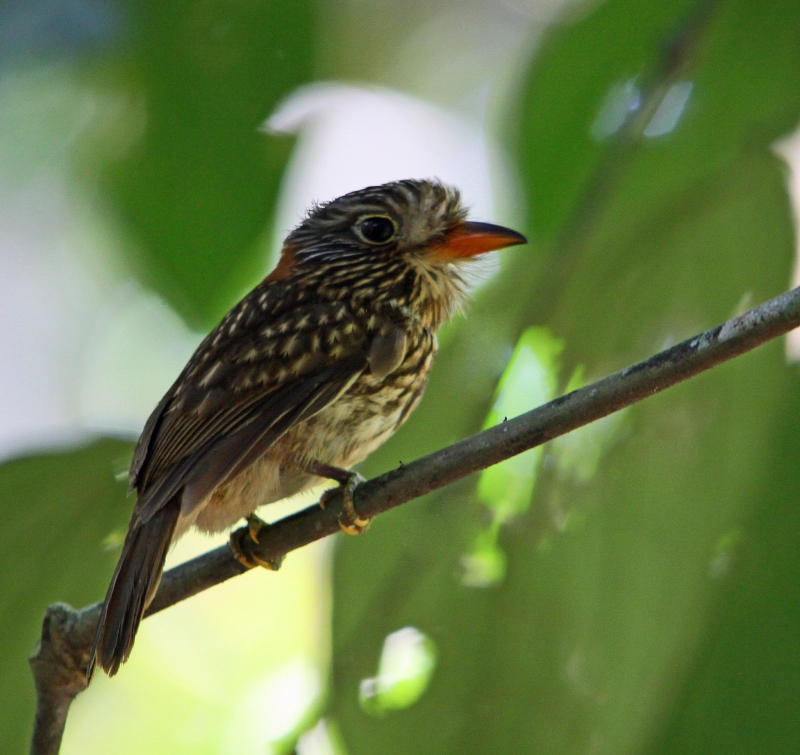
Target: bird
[(301, 380)]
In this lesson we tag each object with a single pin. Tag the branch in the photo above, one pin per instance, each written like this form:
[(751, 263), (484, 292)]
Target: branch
[(59, 665), (60, 659)]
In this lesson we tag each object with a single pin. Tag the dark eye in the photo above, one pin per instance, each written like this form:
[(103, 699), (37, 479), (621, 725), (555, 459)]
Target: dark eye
[(377, 229)]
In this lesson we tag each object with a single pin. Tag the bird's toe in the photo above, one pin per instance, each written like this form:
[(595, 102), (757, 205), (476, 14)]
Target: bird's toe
[(244, 543)]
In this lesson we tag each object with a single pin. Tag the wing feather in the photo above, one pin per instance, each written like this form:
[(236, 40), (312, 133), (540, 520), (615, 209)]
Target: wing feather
[(243, 447), (195, 441)]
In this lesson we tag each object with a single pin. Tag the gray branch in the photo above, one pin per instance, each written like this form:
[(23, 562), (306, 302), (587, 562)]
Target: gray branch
[(60, 659)]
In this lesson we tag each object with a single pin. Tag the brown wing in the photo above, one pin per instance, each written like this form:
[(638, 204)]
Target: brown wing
[(259, 373)]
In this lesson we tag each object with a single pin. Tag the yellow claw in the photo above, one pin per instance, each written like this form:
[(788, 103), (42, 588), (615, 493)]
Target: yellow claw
[(254, 527), (243, 549), (326, 496), (349, 521), (354, 527)]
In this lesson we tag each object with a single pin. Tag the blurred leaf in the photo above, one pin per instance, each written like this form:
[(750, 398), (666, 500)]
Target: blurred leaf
[(529, 380), (577, 454), (58, 510), (595, 638), (407, 662), (576, 76), (199, 190), (485, 563), (741, 696)]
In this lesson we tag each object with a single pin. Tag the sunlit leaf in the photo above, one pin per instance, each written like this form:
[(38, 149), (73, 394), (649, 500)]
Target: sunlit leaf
[(577, 454), (529, 380), (407, 662)]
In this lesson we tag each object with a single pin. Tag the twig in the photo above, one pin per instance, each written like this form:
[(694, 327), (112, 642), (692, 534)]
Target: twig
[(60, 659)]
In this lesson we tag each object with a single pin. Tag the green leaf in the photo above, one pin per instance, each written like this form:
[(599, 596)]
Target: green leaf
[(627, 606), (198, 191), (741, 694), (529, 380), (407, 662), (60, 511)]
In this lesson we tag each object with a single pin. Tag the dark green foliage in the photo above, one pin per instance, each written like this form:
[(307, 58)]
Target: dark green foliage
[(742, 694), (198, 191), (653, 609), (62, 514)]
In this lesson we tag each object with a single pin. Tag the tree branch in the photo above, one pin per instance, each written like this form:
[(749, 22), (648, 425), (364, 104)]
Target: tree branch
[(60, 658)]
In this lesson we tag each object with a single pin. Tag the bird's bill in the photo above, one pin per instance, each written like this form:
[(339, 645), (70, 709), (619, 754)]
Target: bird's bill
[(470, 239)]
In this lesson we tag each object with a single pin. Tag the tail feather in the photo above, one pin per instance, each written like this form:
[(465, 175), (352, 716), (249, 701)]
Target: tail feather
[(132, 587)]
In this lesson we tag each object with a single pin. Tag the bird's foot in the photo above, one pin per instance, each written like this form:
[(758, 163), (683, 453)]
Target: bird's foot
[(244, 544), (349, 520)]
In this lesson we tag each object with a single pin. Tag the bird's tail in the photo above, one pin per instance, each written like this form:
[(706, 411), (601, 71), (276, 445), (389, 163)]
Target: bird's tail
[(132, 587)]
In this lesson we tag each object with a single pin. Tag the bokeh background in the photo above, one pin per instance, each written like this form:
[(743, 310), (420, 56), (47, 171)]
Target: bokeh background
[(631, 588)]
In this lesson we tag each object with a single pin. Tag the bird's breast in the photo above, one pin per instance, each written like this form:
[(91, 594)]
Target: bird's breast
[(342, 434), (369, 412)]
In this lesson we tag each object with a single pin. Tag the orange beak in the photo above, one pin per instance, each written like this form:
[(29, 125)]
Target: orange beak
[(470, 239)]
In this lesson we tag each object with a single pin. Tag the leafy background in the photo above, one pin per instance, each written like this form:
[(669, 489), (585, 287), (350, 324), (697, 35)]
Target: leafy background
[(630, 589)]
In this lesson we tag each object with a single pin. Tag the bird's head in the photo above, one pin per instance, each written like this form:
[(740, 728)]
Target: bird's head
[(405, 241)]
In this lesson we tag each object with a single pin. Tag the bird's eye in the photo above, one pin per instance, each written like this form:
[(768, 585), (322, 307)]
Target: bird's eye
[(376, 229)]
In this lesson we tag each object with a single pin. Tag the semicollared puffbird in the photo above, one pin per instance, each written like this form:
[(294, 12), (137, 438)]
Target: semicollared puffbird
[(313, 370)]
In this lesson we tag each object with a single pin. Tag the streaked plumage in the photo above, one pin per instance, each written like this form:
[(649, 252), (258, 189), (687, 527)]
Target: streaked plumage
[(321, 362)]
